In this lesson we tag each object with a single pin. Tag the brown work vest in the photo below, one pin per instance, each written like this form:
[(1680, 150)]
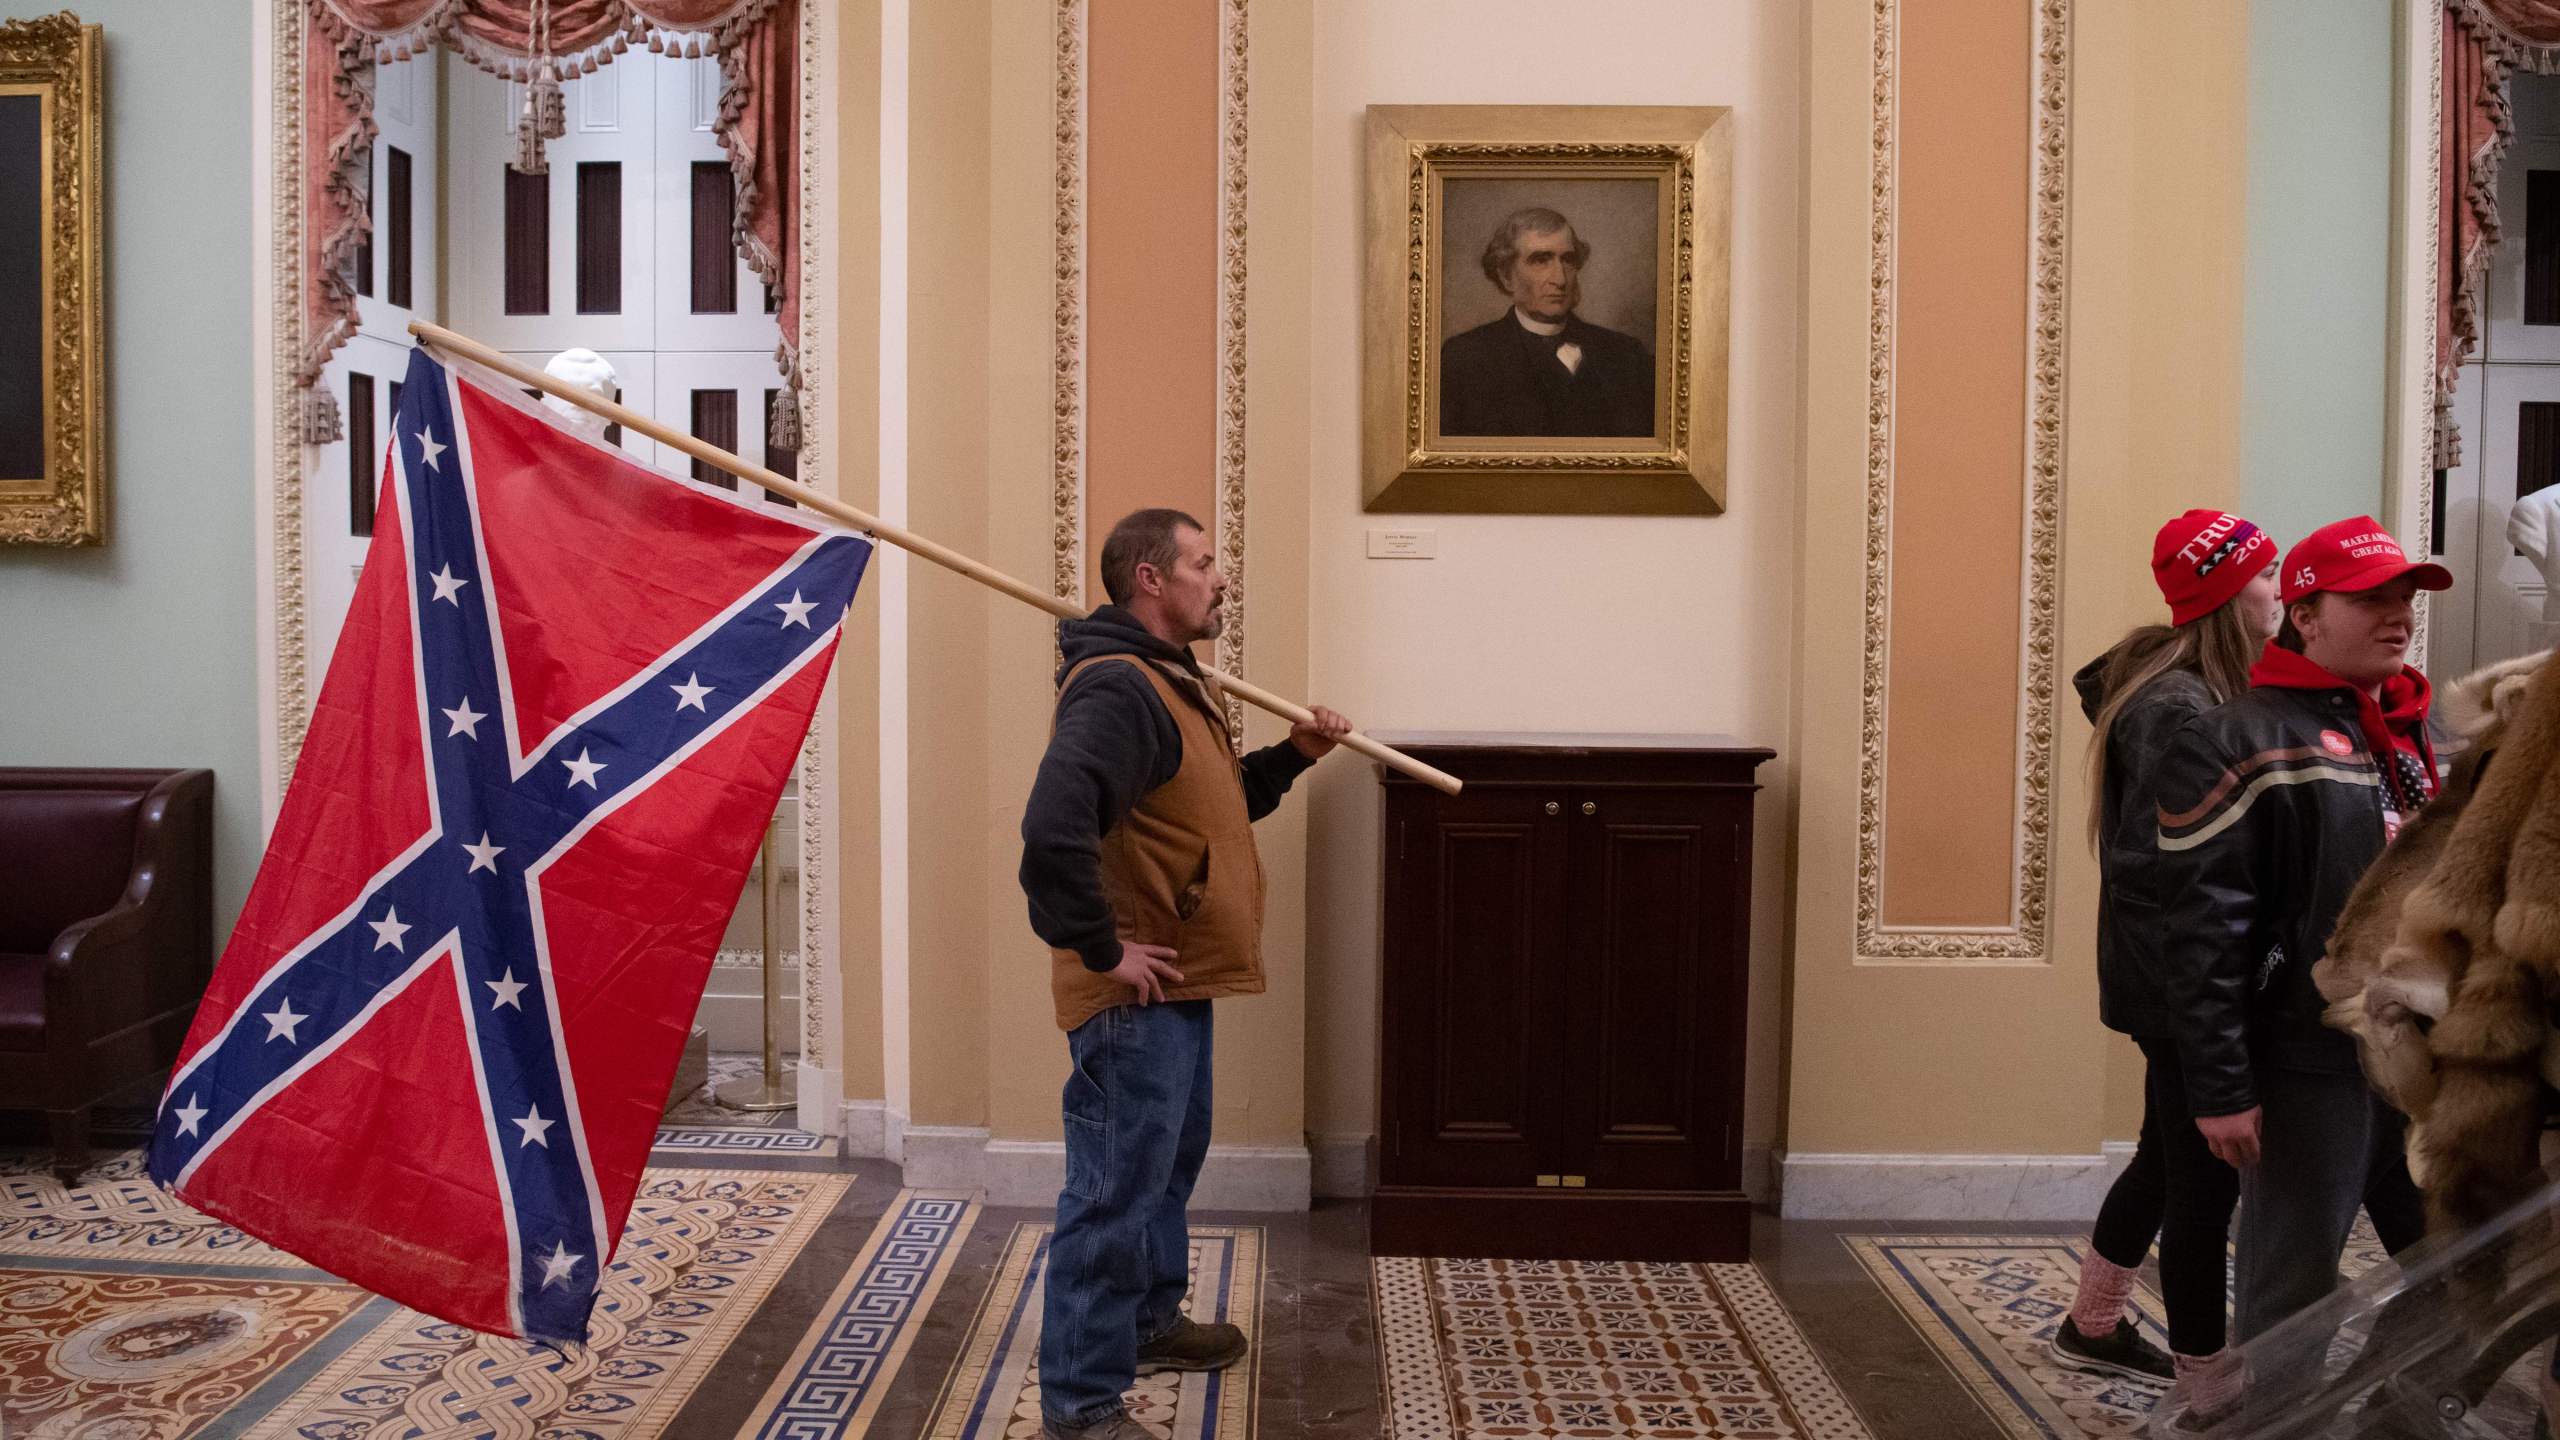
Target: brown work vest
[(1179, 870)]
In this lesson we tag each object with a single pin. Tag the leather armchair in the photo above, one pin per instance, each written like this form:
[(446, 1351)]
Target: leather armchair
[(106, 935)]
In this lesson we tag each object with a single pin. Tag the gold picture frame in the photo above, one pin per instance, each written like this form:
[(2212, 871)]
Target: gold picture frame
[(1444, 387), (53, 483)]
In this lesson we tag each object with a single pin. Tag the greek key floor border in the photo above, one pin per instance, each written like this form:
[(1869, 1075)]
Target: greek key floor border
[(738, 1139), (835, 1379)]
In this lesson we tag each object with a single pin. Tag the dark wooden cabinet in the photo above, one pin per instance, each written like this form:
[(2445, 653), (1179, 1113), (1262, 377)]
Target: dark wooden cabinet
[(1564, 977)]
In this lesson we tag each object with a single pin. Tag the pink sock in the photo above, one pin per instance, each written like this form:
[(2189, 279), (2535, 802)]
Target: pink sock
[(2104, 1285), (2210, 1382)]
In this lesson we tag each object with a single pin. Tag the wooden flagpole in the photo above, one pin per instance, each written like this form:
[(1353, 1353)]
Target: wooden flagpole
[(906, 540)]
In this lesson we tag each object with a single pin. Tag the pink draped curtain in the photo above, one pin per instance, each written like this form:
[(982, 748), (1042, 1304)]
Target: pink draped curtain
[(2485, 41), (545, 42)]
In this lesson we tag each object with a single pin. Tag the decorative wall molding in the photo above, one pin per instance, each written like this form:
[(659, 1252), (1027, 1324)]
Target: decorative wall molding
[(2423, 154), (1066, 460), (2026, 938), (820, 1041), (289, 631), (1067, 534), (1233, 57)]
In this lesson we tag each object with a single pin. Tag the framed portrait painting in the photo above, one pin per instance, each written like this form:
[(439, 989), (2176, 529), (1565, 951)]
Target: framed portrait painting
[(52, 472), (1547, 309)]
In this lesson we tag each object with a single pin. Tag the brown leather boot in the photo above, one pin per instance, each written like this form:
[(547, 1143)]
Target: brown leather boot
[(1192, 1346)]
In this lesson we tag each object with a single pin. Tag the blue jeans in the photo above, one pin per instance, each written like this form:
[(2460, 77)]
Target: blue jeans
[(1137, 1113), (2327, 1145)]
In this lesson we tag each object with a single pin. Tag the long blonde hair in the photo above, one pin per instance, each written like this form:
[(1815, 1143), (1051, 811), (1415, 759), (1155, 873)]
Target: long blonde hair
[(2216, 646)]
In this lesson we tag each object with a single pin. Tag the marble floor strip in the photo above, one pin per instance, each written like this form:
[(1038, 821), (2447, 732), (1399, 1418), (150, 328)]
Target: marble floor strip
[(834, 1382)]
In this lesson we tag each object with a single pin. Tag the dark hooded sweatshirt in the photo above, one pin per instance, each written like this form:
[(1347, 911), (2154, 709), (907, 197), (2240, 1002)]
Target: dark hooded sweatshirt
[(1111, 743)]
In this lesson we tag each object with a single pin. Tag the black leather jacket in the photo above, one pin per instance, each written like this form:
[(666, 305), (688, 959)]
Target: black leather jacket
[(2271, 807), (2133, 998)]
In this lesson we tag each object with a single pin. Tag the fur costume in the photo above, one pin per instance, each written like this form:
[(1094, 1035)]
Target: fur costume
[(2446, 959)]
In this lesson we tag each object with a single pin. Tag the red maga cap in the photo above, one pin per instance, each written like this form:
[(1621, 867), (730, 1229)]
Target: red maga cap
[(2352, 555)]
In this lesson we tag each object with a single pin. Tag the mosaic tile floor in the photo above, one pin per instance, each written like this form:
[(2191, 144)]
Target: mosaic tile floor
[(700, 1253), (868, 1310), (1601, 1350), (126, 1314), (1988, 1305)]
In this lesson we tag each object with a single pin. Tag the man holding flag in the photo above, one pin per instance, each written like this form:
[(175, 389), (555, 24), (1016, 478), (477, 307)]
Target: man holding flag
[(566, 698), (1139, 863)]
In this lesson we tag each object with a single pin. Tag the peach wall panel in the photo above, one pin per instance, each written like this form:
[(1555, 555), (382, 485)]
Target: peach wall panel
[(1151, 262), (1961, 278)]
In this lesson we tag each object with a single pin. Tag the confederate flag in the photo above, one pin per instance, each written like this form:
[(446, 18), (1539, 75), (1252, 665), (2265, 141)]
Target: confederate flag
[(565, 701)]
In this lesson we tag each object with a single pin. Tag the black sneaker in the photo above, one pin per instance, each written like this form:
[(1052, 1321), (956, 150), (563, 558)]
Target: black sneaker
[(2123, 1353)]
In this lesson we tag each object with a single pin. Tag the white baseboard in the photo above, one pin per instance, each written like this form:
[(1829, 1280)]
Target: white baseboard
[(819, 1093), (1027, 1174), (941, 1157), (866, 1128), (1948, 1187), (1343, 1167)]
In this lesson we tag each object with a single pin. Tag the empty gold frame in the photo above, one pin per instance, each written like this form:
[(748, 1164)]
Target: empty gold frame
[(52, 461), (1460, 410)]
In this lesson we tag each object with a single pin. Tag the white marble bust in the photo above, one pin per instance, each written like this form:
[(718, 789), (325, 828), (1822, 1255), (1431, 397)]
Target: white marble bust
[(2533, 527), (590, 372)]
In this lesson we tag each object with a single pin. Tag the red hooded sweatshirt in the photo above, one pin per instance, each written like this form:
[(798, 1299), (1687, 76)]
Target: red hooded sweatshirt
[(2394, 730)]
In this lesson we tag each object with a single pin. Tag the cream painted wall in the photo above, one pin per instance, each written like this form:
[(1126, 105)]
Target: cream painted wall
[(947, 842), (1545, 623), (2009, 1060), (847, 462), (981, 1047), (1744, 624)]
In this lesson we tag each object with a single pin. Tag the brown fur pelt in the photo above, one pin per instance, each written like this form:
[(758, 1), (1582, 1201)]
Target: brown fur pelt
[(2445, 960)]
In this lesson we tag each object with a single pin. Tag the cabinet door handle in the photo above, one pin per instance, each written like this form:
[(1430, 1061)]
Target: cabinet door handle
[(1553, 807), (1590, 807)]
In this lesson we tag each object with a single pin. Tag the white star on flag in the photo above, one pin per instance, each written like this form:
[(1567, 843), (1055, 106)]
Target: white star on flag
[(281, 1022), (689, 694), (484, 856), (795, 611), (508, 988), (557, 1265), (582, 771), (388, 930), (429, 448), (446, 583), (466, 721), (535, 1129), (188, 1114)]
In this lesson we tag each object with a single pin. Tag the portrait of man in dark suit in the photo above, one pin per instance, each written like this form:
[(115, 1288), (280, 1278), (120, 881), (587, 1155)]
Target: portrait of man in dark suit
[(1539, 368)]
